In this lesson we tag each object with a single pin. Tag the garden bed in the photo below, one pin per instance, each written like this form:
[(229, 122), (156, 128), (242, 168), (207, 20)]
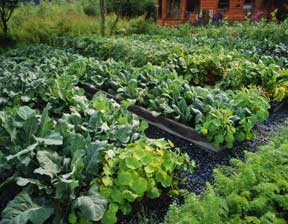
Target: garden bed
[(170, 126)]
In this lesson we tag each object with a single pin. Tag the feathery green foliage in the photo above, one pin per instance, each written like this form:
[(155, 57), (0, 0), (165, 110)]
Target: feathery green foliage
[(254, 191)]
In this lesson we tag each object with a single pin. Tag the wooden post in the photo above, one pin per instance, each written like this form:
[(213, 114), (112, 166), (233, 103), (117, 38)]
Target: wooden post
[(164, 9), (183, 9)]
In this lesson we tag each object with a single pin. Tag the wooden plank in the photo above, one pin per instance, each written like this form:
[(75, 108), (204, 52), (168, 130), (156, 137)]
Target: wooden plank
[(168, 125)]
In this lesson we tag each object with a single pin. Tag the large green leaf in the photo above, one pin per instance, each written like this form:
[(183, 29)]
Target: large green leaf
[(23, 152), (95, 121), (65, 189), (75, 143), (139, 185), (22, 210), (123, 133), (46, 124), (26, 113), (50, 163), (30, 128), (92, 206), (93, 157), (8, 124), (125, 178), (54, 138), (25, 181)]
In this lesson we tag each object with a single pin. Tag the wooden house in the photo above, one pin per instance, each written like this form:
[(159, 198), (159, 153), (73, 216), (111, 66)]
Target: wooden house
[(173, 12)]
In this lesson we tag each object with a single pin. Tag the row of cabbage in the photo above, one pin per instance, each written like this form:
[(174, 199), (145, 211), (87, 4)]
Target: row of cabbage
[(222, 116)]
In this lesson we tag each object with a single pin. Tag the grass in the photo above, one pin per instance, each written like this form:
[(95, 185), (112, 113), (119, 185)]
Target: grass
[(37, 23)]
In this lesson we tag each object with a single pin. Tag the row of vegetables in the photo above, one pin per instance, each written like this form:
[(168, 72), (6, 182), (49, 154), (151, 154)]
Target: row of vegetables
[(68, 159), (222, 116), (219, 62)]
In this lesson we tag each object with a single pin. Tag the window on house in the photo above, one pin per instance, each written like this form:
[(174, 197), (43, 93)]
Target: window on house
[(173, 9), (223, 4), (192, 5)]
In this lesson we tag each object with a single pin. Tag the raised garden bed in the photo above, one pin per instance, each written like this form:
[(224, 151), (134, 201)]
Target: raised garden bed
[(168, 125)]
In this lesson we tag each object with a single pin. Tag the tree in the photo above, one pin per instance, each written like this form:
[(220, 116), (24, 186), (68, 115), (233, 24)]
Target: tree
[(102, 16), (7, 8)]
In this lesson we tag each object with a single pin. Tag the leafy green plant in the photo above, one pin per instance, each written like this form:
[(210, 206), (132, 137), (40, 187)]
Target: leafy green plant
[(252, 191), (200, 61), (222, 116), (142, 169), (48, 167), (53, 162), (219, 127), (159, 89)]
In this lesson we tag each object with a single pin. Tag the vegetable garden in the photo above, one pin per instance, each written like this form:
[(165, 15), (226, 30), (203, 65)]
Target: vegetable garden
[(70, 156)]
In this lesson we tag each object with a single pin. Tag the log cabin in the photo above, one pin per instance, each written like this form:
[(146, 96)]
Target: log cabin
[(174, 12)]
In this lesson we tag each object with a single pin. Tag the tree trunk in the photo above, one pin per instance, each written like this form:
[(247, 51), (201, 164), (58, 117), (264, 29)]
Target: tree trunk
[(114, 26), (102, 15), (5, 28)]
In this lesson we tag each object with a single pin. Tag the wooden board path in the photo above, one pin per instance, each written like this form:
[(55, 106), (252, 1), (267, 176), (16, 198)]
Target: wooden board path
[(170, 126)]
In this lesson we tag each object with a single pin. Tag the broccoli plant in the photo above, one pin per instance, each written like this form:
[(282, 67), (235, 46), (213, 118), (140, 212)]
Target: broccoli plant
[(7, 8)]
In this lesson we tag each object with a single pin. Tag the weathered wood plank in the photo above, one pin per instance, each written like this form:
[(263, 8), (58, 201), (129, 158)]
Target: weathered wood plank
[(168, 125)]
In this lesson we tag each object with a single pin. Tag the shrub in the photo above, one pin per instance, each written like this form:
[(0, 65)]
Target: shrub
[(139, 25), (90, 11), (134, 8)]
